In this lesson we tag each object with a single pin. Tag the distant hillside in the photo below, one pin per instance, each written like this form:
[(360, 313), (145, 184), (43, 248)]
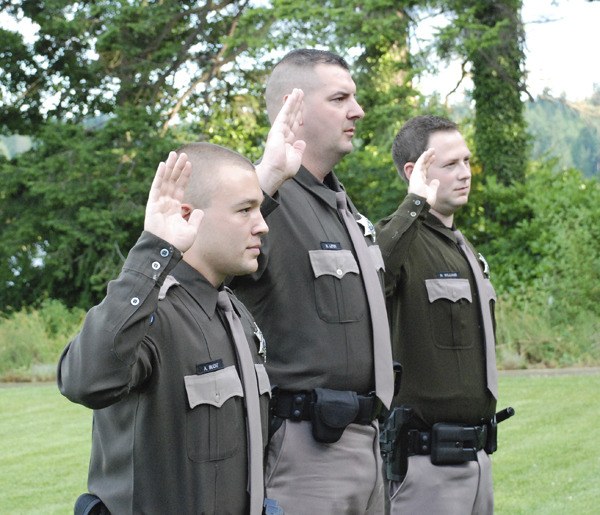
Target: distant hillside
[(569, 131)]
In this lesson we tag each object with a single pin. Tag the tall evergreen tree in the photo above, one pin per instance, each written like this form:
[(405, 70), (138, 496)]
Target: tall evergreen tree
[(498, 78), (489, 38)]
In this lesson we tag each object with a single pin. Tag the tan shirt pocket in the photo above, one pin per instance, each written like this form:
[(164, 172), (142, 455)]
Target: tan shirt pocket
[(449, 289), (336, 263), (214, 388)]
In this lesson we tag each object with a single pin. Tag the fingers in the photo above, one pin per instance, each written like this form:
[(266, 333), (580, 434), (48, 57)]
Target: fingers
[(157, 182), (174, 167), (425, 160), (290, 115), (171, 177)]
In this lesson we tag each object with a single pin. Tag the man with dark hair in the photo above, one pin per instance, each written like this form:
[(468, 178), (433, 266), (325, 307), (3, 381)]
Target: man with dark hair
[(318, 297), (169, 361), (441, 308)]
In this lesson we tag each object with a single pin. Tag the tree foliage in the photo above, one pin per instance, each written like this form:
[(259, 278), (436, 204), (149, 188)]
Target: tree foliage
[(489, 37), (91, 57), (107, 88)]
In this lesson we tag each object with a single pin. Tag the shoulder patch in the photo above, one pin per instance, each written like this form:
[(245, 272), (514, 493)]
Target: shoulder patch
[(169, 281)]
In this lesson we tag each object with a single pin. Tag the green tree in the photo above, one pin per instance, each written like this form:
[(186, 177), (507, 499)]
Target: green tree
[(489, 37), (89, 57), (106, 89)]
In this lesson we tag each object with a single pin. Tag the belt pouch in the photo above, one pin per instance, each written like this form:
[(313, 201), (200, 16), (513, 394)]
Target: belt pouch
[(333, 411), (447, 444)]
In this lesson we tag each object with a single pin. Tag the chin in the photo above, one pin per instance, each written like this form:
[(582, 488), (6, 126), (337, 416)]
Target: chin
[(250, 268)]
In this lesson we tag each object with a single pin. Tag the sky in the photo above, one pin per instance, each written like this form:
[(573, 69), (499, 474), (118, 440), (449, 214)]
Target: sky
[(562, 41), (562, 38)]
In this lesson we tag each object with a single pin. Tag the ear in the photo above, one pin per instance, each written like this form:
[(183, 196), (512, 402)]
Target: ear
[(408, 170), (186, 211)]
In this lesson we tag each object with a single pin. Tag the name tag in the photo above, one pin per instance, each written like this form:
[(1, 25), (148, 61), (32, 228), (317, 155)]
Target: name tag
[(447, 275), (331, 245), (211, 366)]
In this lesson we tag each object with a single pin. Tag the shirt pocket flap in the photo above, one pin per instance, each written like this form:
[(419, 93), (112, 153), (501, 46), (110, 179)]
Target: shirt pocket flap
[(449, 289), (213, 388), (264, 385), (336, 263), (377, 257)]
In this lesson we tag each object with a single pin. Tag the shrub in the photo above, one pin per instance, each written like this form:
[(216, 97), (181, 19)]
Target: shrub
[(31, 340)]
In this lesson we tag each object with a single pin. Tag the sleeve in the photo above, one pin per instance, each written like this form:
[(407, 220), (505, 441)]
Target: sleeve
[(396, 233), (269, 204), (109, 357)]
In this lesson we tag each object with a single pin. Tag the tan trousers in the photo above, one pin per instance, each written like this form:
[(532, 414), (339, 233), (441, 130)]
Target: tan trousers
[(445, 490), (312, 478)]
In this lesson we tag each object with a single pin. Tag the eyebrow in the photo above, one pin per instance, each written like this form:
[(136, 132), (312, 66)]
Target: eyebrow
[(342, 92), (250, 201)]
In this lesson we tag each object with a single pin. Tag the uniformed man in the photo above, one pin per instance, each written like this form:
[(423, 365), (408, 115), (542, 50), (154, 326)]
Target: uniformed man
[(441, 307), (158, 361), (318, 298)]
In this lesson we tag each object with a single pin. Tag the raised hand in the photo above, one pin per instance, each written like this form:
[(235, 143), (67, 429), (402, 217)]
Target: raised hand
[(418, 182), (283, 150), (163, 210)]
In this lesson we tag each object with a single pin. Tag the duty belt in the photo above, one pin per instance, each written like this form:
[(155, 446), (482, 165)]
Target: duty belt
[(298, 406)]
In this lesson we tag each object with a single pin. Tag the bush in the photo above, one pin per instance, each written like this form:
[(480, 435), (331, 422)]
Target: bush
[(31, 340), (529, 337)]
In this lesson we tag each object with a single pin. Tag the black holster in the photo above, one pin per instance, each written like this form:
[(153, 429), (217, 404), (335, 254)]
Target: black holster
[(333, 411), (393, 443)]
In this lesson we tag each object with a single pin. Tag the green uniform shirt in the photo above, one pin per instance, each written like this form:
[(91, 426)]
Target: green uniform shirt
[(169, 433), (308, 294), (435, 318)]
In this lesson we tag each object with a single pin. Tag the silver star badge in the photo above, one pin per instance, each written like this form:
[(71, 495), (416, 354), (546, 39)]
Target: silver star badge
[(262, 348), (369, 228), (486, 267)]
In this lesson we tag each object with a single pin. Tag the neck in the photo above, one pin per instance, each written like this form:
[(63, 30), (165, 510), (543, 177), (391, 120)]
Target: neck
[(319, 167), (447, 220), (212, 277)]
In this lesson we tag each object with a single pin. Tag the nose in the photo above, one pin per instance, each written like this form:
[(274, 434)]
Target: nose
[(464, 171), (260, 227), (355, 112)]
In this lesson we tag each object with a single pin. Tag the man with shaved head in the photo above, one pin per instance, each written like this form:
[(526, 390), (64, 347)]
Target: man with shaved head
[(178, 388), (318, 298)]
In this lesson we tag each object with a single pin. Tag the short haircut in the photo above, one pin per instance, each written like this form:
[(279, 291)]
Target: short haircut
[(208, 161), (412, 139), (293, 71)]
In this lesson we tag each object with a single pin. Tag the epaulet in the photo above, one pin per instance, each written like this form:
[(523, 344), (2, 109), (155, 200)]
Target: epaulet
[(169, 281)]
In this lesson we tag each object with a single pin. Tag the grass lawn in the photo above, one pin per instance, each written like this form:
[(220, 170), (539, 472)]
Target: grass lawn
[(548, 460)]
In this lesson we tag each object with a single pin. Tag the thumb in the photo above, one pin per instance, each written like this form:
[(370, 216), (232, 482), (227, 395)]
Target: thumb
[(299, 146), (196, 217), (432, 193)]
